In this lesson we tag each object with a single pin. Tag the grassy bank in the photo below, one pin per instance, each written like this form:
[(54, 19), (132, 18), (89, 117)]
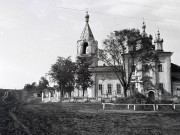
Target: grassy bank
[(61, 119), (81, 118)]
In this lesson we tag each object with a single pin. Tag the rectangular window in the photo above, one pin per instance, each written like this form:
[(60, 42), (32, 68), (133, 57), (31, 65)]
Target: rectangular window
[(160, 68), (118, 88), (161, 88), (109, 86), (100, 88)]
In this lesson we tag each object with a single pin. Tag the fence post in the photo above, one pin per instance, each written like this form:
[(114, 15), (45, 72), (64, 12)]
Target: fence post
[(42, 96), (57, 96), (174, 106), (134, 107), (154, 107), (49, 96), (128, 106), (103, 106)]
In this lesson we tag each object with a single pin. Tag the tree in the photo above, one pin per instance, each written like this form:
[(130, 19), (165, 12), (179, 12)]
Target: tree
[(43, 83), (83, 73), (126, 49), (62, 72), (30, 88)]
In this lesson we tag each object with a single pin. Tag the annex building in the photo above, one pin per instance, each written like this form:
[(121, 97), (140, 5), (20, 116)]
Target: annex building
[(165, 79)]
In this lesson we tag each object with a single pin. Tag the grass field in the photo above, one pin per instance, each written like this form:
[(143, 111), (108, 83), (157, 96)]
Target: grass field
[(21, 118)]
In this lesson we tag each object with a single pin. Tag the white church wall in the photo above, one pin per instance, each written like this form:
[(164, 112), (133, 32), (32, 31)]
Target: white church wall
[(165, 76)]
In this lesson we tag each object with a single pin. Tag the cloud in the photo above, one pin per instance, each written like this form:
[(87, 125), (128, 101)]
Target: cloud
[(37, 31), (167, 16), (41, 14), (62, 17), (72, 4), (13, 76), (124, 10)]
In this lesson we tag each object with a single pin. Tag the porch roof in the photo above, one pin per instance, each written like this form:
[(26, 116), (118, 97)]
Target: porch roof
[(49, 89)]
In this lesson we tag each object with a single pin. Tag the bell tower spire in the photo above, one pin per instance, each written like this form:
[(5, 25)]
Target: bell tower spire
[(87, 33), (87, 46)]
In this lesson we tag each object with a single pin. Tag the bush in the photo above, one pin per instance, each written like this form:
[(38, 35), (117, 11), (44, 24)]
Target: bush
[(138, 98), (164, 101), (122, 100)]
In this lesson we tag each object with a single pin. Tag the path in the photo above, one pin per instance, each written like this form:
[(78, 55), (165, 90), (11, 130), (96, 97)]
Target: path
[(5, 95), (9, 107), (13, 116)]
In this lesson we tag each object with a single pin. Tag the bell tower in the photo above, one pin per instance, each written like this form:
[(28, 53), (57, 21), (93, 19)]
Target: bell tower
[(87, 46)]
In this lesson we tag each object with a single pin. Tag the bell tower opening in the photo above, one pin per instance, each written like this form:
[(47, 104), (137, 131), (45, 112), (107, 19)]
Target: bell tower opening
[(84, 49)]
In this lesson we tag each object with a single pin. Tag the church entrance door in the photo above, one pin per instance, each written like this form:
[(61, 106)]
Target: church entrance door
[(151, 95)]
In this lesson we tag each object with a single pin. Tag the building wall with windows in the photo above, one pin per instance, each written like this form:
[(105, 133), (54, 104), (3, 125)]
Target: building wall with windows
[(109, 88), (164, 73)]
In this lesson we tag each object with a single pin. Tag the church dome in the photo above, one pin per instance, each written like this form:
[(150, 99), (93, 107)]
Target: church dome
[(87, 17)]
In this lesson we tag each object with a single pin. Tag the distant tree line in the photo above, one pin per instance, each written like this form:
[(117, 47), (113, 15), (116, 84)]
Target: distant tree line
[(37, 88)]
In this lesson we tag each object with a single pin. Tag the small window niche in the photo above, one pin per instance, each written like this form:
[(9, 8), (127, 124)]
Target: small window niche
[(160, 68)]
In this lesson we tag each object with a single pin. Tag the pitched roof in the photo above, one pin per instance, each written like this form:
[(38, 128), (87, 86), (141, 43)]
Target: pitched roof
[(175, 68), (175, 79), (49, 89), (87, 33)]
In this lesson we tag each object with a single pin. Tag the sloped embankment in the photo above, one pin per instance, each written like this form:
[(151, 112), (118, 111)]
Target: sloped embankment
[(79, 118), (70, 119), (9, 124)]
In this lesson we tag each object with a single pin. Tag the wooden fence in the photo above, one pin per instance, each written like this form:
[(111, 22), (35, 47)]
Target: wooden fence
[(155, 106)]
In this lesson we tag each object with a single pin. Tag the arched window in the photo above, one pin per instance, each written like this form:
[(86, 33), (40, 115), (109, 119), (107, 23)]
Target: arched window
[(84, 48)]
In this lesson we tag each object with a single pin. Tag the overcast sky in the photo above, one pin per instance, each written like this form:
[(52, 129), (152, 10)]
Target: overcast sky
[(33, 33)]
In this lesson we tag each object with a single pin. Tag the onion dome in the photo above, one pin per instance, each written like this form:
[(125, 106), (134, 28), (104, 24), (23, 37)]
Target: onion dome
[(158, 42), (144, 30), (87, 17), (158, 39)]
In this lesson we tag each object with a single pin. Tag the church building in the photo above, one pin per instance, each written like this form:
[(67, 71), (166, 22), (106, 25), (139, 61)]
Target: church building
[(106, 84)]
